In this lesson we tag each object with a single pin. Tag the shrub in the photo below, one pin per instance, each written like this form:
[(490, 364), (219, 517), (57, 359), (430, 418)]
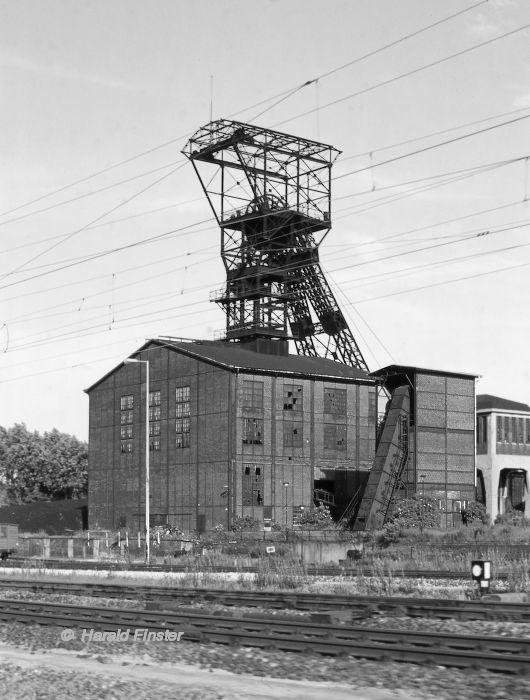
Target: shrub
[(391, 533), (512, 517), (243, 523), (317, 519), (416, 512), (475, 513)]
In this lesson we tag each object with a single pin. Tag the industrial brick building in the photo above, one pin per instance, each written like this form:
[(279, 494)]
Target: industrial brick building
[(503, 454), (232, 432), (427, 443), (242, 427)]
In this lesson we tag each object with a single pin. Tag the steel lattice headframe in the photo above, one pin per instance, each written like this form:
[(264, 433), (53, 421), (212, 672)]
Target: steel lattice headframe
[(271, 195)]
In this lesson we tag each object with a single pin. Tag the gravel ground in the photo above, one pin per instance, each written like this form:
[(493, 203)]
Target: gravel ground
[(420, 681), (18, 683)]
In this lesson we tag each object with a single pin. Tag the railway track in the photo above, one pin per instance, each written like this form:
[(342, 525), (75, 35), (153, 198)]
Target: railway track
[(359, 606), (179, 568), (506, 655)]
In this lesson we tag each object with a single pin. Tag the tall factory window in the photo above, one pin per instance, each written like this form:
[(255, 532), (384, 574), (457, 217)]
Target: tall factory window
[(372, 406), (335, 401), (154, 420), (499, 428), (252, 395), (293, 434), (335, 437), (127, 402), (182, 401), (182, 429), (252, 431), (252, 485), (293, 398), (154, 413), (126, 432), (126, 421), (154, 398), (154, 428)]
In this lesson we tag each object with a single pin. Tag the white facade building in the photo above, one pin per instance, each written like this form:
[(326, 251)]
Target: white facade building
[(503, 454)]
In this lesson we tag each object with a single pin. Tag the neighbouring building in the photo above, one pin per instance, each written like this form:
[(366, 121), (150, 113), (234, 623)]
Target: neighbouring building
[(232, 432), (503, 454), (426, 443)]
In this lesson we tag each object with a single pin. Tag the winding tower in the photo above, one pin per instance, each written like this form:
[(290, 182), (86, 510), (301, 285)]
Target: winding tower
[(271, 195)]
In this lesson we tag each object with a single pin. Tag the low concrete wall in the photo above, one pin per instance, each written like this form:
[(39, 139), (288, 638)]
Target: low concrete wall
[(312, 552)]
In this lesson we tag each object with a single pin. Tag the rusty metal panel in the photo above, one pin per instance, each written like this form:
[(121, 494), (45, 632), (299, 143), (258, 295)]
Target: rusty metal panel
[(431, 419), (430, 400), (430, 441), (461, 386), (430, 382), (465, 404), (461, 442), (460, 421)]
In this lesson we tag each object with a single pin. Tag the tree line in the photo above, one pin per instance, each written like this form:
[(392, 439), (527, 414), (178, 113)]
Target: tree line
[(36, 467)]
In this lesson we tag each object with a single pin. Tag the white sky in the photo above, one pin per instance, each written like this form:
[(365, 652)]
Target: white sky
[(88, 84)]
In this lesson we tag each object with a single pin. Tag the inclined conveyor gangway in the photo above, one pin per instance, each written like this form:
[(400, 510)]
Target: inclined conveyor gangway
[(390, 460)]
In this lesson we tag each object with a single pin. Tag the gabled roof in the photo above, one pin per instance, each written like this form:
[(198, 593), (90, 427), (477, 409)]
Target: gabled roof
[(487, 402), (234, 357)]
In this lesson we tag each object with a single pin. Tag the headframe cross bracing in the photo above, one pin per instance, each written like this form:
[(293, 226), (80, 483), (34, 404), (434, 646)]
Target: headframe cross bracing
[(271, 195)]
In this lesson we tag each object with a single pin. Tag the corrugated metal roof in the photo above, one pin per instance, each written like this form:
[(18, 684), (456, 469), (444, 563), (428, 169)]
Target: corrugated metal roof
[(234, 357), (487, 402)]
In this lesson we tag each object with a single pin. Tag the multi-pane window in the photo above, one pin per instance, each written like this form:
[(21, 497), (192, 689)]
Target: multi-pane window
[(500, 432), (154, 420), (154, 428), (335, 401), (182, 394), (126, 432), (335, 437), (126, 423), (127, 402), (292, 397), (293, 434), (252, 431), (252, 396), (182, 430), (252, 485), (182, 401), (182, 412), (154, 413), (372, 405)]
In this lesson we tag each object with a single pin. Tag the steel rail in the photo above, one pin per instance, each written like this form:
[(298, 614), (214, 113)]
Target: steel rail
[(508, 655), (359, 606), (180, 568)]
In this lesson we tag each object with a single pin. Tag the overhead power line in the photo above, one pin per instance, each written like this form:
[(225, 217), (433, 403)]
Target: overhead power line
[(407, 74), (280, 97)]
